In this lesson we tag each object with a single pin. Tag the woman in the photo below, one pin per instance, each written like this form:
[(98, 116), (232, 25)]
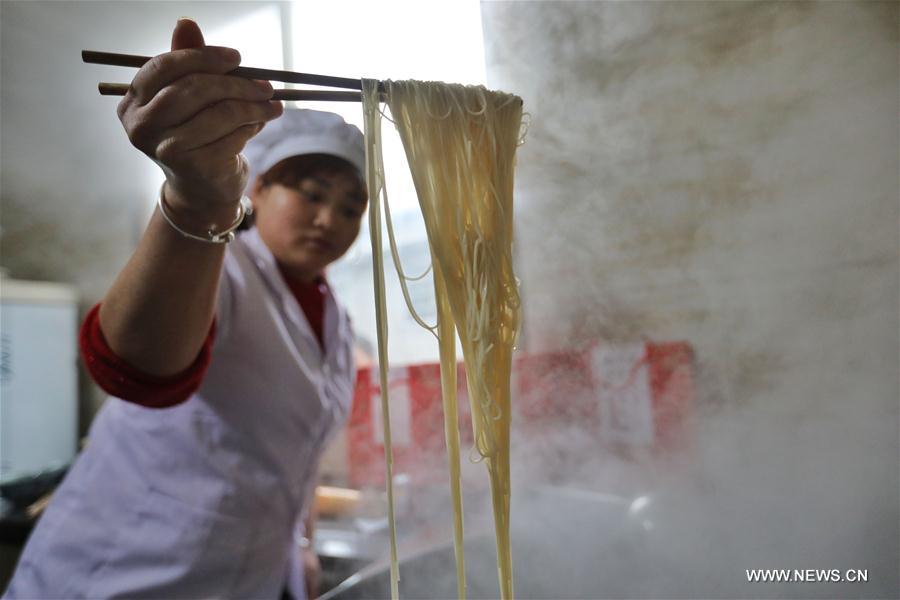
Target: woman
[(229, 365)]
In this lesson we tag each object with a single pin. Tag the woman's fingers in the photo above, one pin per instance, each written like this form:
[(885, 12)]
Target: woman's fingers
[(215, 161), (222, 155), (211, 124), (167, 68), (187, 34), (185, 98)]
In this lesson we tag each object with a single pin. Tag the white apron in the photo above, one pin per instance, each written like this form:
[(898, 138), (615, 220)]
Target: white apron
[(200, 500)]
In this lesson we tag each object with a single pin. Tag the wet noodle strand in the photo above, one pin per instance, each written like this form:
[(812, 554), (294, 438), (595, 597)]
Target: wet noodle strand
[(460, 143)]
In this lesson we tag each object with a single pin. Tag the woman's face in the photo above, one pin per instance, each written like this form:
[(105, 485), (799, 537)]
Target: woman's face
[(312, 225)]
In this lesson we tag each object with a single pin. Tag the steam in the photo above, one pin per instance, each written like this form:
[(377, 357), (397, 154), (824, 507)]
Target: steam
[(686, 178)]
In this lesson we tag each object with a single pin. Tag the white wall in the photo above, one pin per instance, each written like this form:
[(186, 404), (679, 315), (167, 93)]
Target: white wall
[(726, 173), (74, 194)]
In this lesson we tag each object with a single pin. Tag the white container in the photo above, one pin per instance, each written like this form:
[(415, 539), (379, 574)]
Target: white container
[(38, 377)]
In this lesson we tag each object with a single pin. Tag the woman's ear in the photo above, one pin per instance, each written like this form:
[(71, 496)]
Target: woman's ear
[(257, 193)]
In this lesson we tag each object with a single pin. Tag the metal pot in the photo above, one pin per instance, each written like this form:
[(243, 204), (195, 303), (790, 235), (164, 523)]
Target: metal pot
[(566, 544)]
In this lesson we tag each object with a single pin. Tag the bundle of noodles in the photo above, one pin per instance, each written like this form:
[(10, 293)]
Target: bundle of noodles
[(460, 143)]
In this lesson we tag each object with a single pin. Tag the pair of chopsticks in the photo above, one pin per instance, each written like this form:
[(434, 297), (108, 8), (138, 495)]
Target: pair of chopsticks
[(131, 60)]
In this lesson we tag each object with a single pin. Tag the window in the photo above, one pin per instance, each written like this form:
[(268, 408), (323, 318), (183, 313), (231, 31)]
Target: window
[(403, 40)]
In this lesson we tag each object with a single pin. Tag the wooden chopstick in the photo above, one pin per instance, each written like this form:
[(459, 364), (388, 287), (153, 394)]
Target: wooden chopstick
[(132, 60), (119, 89)]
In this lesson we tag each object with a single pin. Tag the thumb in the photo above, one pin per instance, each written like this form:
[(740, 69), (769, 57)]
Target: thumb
[(187, 34)]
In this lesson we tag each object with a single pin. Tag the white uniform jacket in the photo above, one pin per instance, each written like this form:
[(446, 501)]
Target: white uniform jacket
[(200, 500)]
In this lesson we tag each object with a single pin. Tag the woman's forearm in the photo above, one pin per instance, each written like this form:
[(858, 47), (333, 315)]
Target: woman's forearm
[(159, 310)]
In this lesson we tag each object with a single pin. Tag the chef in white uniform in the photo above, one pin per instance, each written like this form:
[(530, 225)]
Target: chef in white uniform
[(206, 497)]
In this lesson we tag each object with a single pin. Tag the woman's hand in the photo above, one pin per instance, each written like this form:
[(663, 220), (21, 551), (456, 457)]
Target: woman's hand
[(312, 572), (183, 112)]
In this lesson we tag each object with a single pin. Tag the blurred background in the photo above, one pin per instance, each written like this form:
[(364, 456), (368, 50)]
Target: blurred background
[(707, 213)]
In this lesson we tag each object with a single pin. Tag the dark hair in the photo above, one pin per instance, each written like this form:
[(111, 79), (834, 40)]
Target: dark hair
[(291, 171)]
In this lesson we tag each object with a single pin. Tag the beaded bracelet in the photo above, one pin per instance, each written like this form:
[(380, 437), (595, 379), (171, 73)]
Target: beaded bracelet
[(212, 236)]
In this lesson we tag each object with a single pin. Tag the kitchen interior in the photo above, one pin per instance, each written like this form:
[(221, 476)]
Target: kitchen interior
[(707, 206)]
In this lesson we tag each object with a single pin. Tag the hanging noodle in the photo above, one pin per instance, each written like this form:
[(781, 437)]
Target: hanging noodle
[(460, 143), (375, 185)]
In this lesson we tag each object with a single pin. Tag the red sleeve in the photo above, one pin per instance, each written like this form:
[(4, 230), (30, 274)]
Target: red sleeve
[(122, 380)]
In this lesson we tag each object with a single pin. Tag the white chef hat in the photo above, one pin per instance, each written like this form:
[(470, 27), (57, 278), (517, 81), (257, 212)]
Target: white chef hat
[(303, 131)]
